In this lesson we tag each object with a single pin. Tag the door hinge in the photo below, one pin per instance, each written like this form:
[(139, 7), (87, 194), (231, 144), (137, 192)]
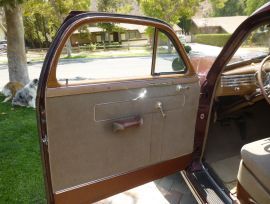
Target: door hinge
[(45, 140)]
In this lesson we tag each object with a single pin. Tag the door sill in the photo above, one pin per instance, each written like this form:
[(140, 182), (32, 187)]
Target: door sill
[(206, 187)]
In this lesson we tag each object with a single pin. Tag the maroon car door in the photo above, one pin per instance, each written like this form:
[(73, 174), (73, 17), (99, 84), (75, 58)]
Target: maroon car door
[(120, 116)]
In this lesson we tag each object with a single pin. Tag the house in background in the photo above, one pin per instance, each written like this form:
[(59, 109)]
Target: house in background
[(94, 34), (127, 34), (177, 30), (216, 24)]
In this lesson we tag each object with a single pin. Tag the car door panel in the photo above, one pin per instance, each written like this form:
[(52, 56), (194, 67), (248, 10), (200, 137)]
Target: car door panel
[(89, 143), (85, 157)]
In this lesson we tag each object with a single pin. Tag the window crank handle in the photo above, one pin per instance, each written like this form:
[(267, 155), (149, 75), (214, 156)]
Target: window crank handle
[(160, 108)]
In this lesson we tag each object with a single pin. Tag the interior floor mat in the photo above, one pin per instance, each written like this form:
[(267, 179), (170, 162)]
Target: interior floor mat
[(227, 169)]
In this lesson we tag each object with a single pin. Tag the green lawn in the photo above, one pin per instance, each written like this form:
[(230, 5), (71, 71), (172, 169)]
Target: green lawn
[(21, 179)]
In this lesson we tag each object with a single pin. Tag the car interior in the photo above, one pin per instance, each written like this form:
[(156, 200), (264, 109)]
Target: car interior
[(237, 149)]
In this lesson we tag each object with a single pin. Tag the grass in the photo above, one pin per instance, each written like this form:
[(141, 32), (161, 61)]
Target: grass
[(21, 179), (79, 56)]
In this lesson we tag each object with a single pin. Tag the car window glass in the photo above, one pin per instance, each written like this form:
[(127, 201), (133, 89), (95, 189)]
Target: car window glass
[(105, 51), (167, 60), (256, 44)]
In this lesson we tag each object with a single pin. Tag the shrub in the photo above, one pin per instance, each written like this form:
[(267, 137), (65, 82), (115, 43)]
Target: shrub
[(256, 39), (212, 39), (178, 64), (187, 48), (92, 46)]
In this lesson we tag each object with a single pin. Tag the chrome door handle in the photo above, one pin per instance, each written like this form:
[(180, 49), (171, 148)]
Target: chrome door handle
[(181, 88), (160, 108), (141, 95)]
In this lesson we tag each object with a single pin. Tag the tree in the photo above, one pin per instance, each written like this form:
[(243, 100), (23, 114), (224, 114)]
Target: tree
[(228, 7), (62, 8), (170, 11), (42, 19), (252, 5), (235, 7), (17, 63), (112, 6), (40, 24), (185, 24)]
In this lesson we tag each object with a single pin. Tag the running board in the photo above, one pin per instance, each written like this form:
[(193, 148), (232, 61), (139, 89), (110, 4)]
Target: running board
[(207, 188)]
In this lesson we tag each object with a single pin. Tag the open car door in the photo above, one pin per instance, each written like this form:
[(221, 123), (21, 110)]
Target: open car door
[(126, 118)]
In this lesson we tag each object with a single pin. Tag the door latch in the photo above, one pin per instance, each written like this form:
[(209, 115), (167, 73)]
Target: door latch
[(45, 140), (160, 108)]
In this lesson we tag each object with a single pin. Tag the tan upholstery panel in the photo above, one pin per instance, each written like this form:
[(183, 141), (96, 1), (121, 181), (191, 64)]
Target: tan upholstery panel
[(252, 185), (256, 157), (113, 110), (83, 147), (175, 132)]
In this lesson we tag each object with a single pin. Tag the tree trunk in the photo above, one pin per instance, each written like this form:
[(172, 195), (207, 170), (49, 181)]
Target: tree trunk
[(61, 18), (119, 38), (17, 63), (169, 46), (44, 31), (69, 48), (109, 37)]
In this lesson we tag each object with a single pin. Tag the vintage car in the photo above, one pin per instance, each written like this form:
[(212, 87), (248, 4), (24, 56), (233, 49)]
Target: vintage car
[(139, 108)]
